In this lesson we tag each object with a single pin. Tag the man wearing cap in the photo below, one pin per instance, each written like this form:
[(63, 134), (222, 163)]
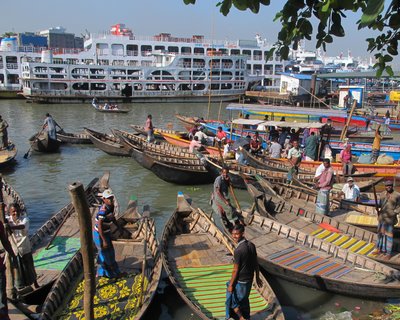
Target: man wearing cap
[(108, 267), (350, 191), (389, 208)]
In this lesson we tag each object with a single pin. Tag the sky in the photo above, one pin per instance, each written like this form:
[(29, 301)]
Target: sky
[(151, 17)]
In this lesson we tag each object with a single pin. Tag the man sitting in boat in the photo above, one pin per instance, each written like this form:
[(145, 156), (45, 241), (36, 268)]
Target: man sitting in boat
[(195, 144), (220, 137), (51, 125), (3, 133), (345, 159), (350, 191), (106, 106), (256, 144)]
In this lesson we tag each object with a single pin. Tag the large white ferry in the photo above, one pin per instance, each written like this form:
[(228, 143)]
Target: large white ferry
[(121, 48)]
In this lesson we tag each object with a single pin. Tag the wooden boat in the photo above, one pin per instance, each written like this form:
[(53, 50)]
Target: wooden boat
[(73, 138), (158, 131), (190, 122), (304, 180), (284, 165), (172, 169), (10, 195), (129, 296), (7, 156), (296, 209), (196, 258), (358, 148), (100, 108), (178, 141), (42, 143), (381, 170), (107, 143), (136, 141), (296, 256), (57, 241)]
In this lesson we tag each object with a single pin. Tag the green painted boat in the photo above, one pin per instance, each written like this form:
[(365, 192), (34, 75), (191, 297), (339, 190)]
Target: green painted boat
[(198, 259)]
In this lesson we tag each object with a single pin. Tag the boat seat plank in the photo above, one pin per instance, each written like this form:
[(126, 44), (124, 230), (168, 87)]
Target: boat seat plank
[(310, 263)]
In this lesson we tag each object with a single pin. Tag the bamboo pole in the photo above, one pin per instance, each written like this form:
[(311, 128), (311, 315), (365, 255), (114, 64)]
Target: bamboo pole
[(77, 194), (344, 131)]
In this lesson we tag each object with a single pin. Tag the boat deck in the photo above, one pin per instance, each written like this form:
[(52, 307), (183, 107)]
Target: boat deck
[(203, 266)]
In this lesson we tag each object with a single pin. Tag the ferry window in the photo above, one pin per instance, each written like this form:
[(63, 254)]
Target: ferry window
[(98, 86), (145, 50), (117, 49), (257, 55), (173, 49), (132, 50), (11, 59), (198, 51), (184, 87), (223, 51), (215, 86), (199, 86), (186, 50), (247, 52), (198, 63), (80, 86), (102, 49), (235, 51), (184, 75), (199, 75), (161, 48), (227, 63)]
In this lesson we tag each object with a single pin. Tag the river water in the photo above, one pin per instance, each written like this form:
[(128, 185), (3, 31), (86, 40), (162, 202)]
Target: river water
[(42, 182)]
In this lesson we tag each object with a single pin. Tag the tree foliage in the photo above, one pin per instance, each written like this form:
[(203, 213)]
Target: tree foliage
[(295, 17)]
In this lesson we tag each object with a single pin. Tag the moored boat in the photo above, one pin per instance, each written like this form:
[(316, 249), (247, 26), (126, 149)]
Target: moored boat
[(73, 138), (7, 155), (184, 143), (158, 131), (296, 256), (131, 294), (196, 257), (41, 142), (296, 208), (107, 143), (57, 241)]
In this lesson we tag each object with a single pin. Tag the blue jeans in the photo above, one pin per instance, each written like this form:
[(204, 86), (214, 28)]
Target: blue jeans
[(239, 298), (107, 266)]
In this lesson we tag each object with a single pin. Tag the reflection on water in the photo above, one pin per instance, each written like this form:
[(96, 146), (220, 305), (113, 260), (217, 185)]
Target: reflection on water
[(42, 181)]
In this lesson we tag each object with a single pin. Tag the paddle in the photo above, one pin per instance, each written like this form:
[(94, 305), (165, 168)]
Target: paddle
[(26, 155), (376, 200)]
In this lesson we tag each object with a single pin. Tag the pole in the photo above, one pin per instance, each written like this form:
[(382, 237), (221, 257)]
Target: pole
[(77, 194), (344, 131)]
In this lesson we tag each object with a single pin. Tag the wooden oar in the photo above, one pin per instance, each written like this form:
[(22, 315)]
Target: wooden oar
[(376, 201), (145, 221), (26, 155)]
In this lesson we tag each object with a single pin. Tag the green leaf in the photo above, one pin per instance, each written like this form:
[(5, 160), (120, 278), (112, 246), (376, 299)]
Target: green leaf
[(189, 1), (326, 6), (265, 2), (372, 11), (387, 58), (240, 4), (389, 71), (225, 7), (337, 30), (270, 53), (284, 52)]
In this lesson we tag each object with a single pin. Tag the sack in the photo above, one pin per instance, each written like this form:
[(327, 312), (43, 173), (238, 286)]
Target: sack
[(365, 158), (385, 159)]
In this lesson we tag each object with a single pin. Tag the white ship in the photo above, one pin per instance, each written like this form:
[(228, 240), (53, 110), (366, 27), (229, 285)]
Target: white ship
[(120, 48)]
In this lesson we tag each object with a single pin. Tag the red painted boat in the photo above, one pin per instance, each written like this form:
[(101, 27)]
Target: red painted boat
[(178, 141)]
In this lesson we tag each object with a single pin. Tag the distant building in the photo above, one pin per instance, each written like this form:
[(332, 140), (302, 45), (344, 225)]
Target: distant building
[(58, 38), (30, 39)]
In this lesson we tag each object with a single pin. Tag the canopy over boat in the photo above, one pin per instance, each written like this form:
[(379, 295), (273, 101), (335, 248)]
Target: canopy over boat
[(260, 123), (259, 109)]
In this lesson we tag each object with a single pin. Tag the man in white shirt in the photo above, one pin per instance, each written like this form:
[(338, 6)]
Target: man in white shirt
[(275, 149), (202, 137), (294, 157), (350, 191), (194, 144)]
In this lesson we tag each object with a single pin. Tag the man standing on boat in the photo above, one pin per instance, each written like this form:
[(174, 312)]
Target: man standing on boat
[(3, 133), (389, 208), (108, 267), (221, 203), (149, 128), (376, 145), (244, 266), (324, 186), (294, 156), (51, 125), (311, 145)]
